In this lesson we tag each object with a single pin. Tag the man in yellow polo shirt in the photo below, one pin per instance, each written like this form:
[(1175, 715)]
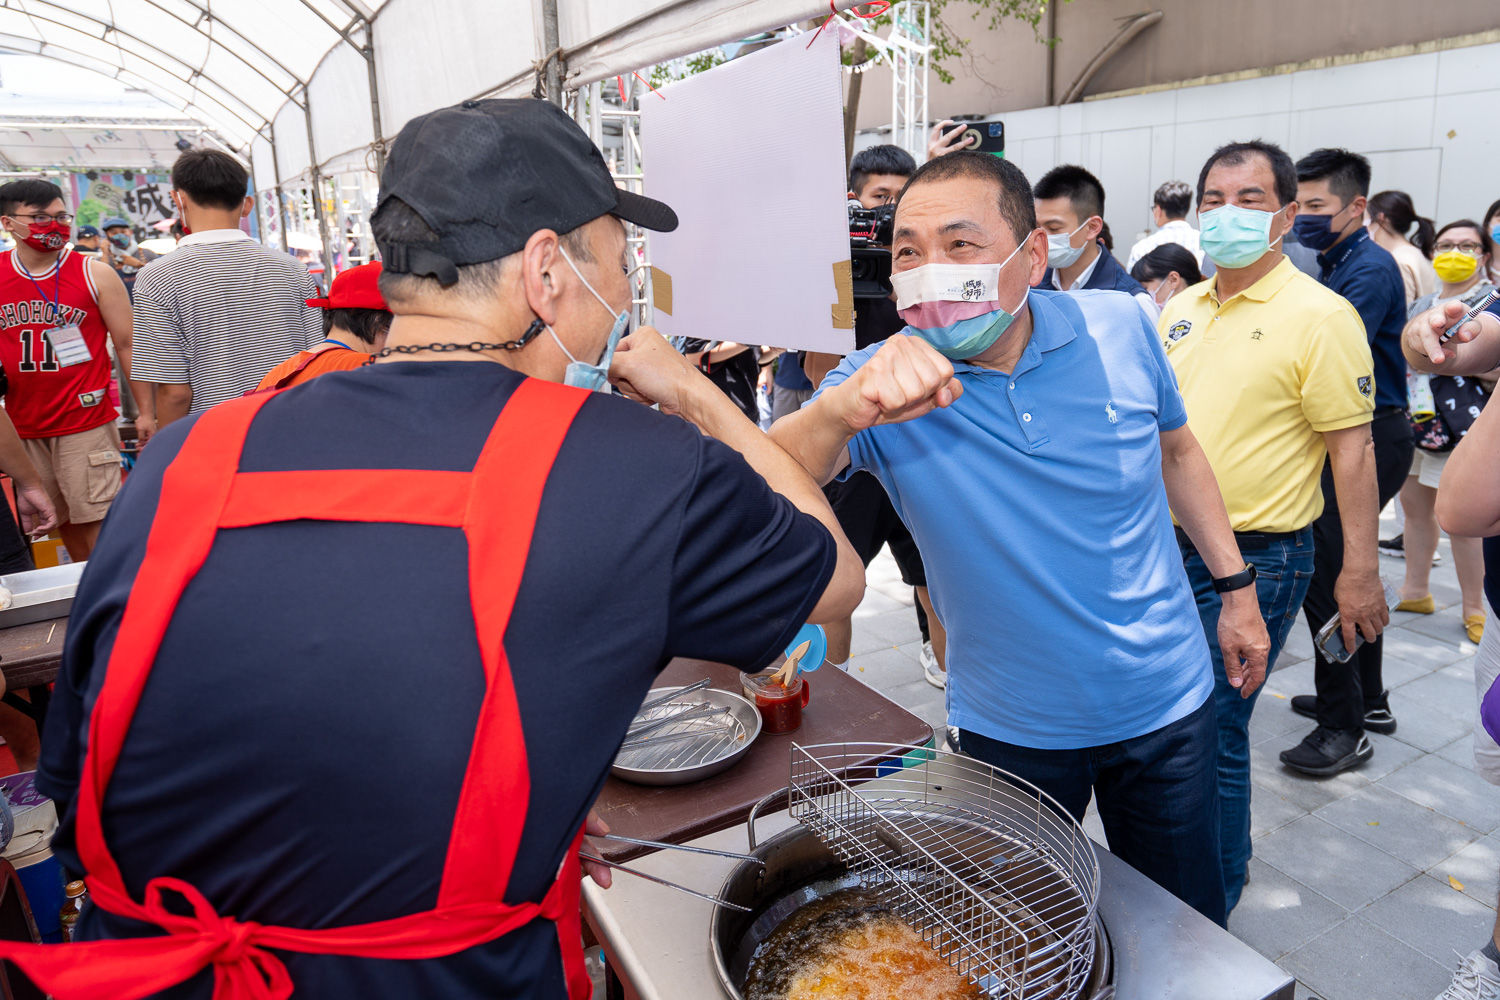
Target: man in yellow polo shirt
[(1277, 376)]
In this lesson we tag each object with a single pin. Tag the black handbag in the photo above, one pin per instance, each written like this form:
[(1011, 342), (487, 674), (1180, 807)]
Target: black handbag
[(1459, 401)]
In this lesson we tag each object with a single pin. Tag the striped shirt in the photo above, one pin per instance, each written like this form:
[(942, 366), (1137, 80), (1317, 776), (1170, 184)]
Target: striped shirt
[(219, 312)]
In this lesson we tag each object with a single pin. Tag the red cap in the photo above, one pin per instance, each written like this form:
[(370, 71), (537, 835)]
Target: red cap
[(356, 288)]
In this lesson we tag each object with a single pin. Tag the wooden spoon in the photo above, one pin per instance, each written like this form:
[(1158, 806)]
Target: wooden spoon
[(788, 669)]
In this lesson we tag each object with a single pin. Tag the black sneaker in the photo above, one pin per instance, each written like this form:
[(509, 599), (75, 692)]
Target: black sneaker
[(1327, 751), (1377, 720), (1393, 546)]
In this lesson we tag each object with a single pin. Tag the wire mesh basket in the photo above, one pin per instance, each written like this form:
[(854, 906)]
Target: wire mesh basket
[(989, 869)]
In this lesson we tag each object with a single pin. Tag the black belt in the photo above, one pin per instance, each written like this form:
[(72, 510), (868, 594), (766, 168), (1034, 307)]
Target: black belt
[(1248, 541)]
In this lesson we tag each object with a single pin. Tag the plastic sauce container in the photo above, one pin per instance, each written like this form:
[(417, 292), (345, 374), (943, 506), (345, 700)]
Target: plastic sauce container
[(780, 707)]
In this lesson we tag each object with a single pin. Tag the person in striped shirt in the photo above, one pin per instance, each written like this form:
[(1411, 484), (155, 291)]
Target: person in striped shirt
[(220, 311)]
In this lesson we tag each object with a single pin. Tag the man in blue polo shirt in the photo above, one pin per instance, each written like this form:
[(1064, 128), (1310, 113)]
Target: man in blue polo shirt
[(1041, 437), (1332, 185)]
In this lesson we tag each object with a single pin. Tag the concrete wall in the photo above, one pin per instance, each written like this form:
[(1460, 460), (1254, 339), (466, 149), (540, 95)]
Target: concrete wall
[(1423, 120)]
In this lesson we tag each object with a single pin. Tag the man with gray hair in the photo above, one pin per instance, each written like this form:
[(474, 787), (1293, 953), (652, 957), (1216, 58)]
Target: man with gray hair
[(1169, 209)]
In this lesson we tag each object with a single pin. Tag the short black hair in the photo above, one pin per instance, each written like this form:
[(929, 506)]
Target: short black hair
[(366, 324), (29, 192), (1014, 196), (1235, 153), (1081, 188), (1347, 174), (212, 178), (1165, 259), (1174, 198), (885, 159)]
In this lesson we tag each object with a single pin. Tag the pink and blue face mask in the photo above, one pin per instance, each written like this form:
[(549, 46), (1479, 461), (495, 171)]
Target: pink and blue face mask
[(956, 307)]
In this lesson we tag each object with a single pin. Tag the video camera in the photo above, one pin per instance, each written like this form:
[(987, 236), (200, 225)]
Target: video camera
[(870, 249)]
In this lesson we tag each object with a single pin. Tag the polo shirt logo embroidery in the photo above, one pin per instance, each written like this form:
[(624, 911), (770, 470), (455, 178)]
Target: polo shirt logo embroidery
[(1111, 413), (1179, 329), (1255, 335), (1366, 385)]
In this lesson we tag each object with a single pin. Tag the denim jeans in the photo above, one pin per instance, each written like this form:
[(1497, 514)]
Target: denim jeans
[(1283, 570), (1156, 798)]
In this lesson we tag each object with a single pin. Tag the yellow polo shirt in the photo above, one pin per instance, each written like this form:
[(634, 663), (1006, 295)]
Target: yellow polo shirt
[(1264, 376)]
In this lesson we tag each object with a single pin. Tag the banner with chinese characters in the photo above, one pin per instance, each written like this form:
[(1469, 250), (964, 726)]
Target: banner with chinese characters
[(141, 199)]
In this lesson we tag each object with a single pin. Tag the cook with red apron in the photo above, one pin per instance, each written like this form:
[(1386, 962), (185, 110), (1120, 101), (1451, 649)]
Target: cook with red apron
[(334, 705)]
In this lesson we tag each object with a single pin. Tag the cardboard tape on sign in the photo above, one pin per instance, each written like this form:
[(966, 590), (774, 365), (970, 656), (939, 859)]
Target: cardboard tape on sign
[(661, 290), (843, 282)]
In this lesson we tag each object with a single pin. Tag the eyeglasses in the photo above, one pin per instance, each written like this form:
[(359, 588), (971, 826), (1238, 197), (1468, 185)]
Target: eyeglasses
[(1472, 249), (44, 219)]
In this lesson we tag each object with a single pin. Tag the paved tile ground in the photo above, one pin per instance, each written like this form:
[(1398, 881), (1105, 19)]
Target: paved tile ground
[(1363, 885)]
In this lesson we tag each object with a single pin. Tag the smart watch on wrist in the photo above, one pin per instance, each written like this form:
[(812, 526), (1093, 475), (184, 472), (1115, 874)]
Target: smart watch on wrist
[(1237, 581)]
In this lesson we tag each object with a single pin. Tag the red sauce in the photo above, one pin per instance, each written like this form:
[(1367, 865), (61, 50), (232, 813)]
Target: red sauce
[(780, 710)]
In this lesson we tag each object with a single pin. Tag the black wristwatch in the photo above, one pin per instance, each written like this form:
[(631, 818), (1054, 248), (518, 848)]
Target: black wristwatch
[(1237, 581)]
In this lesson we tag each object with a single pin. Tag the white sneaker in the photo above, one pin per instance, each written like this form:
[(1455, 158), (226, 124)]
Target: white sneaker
[(1477, 978), (936, 675)]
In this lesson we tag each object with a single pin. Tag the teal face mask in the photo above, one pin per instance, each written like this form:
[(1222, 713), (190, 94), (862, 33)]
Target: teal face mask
[(1235, 237), (580, 373)]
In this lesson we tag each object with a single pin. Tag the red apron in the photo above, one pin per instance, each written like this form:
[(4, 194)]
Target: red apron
[(202, 491)]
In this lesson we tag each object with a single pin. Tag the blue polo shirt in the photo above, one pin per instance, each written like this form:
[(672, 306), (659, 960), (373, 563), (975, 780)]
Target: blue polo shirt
[(1037, 501), (1365, 273)]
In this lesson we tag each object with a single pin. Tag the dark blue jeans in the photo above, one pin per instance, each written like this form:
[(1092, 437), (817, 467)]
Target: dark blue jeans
[(1156, 797), (1283, 570)]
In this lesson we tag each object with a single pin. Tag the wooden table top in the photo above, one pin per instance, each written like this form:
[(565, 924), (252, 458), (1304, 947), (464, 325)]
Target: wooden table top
[(842, 709), (31, 654)]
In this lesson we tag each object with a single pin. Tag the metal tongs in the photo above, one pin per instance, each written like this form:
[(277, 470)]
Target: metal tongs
[(672, 847)]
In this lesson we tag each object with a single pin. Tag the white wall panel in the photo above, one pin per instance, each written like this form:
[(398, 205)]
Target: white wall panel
[(1237, 98), (1364, 127), (1471, 158), (1396, 111), (1358, 83)]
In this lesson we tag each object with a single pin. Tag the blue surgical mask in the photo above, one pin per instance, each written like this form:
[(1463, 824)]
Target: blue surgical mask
[(121, 240), (1060, 251), (1495, 233), (580, 373), (1235, 237)]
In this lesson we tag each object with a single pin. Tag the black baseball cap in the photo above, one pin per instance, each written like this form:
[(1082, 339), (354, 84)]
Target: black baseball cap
[(486, 175)]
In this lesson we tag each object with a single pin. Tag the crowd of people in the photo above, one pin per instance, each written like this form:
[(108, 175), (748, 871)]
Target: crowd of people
[(1111, 507)]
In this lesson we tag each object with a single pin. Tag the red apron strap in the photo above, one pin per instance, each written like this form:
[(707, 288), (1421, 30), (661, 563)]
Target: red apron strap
[(401, 496), (202, 489), (507, 488), (194, 488)]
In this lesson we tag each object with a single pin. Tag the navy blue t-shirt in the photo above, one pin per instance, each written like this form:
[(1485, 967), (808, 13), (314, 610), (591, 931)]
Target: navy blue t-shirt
[(1365, 273), (299, 749)]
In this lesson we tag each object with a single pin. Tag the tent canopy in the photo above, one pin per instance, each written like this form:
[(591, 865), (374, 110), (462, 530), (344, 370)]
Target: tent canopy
[(300, 85)]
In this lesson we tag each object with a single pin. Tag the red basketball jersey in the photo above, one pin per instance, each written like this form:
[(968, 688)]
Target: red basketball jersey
[(44, 398)]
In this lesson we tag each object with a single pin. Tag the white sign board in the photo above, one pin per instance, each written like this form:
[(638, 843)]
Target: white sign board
[(751, 156)]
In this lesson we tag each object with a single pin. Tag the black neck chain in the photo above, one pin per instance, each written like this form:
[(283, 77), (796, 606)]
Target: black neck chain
[(476, 347)]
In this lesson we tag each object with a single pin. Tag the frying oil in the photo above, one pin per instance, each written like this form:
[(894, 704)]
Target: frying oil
[(847, 946)]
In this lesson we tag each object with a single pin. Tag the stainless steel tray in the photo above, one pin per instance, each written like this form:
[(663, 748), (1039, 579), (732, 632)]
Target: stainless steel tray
[(39, 594), (680, 752)]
